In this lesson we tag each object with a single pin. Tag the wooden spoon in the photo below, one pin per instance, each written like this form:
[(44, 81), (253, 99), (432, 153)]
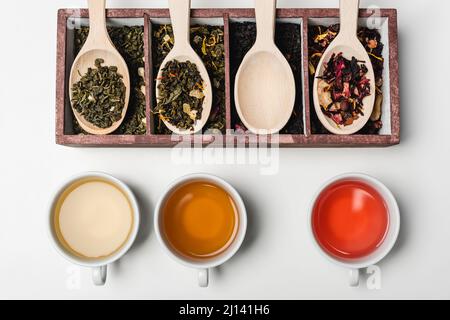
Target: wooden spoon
[(265, 86), (348, 43), (182, 51), (98, 45)]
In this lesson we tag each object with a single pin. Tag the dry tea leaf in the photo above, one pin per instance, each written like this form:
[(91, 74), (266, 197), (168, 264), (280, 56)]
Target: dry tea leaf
[(130, 43), (342, 89), (176, 105), (376, 113), (99, 96), (208, 43), (319, 38), (289, 41), (197, 94)]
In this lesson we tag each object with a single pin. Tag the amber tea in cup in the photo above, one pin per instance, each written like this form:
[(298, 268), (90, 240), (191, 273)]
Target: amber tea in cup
[(200, 220)]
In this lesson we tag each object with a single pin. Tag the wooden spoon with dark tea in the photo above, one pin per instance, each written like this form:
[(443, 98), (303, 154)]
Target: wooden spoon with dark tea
[(189, 68), (344, 84), (99, 84)]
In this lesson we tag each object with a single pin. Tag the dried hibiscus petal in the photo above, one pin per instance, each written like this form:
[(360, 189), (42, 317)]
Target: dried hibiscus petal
[(337, 118), (346, 85)]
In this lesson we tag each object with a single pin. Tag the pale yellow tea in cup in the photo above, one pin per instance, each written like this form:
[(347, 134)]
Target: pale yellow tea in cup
[(93, 218)]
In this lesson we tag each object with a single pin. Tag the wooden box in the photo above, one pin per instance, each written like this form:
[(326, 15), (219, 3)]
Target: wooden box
[(386, 20)]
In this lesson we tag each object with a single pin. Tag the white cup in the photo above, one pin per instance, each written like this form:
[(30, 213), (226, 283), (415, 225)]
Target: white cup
[(354, 265), (98, 266), (202, 265)]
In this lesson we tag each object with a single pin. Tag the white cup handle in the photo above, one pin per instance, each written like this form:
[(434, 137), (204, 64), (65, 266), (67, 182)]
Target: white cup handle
[(203, 278), (99, 275), (354, 277)]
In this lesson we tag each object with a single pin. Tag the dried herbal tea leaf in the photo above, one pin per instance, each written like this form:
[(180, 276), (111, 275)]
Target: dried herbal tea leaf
[(176, 103), (208, 43), (342, 89), (129, 41), (320, 38), (99, 96)]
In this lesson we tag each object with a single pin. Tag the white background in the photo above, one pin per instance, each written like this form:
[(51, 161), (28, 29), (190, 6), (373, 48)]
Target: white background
[(278, 260)]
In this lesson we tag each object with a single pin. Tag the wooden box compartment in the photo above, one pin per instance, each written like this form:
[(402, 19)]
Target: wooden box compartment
[(303, 135)]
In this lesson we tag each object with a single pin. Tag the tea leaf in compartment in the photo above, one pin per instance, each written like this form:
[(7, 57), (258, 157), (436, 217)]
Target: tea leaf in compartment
[(288, 40), (318, 41), (129, 41), (208, 43)]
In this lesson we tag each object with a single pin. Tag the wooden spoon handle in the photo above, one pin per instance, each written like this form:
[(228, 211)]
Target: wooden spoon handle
[(265, 11), (97, 20), (180, 14), (349, 12)]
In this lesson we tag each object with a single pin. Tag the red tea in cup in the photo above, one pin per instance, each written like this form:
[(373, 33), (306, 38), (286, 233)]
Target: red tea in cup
[(350, 219)]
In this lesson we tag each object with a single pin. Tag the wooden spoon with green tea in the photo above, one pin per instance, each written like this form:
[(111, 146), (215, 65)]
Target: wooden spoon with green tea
[(183, 52), (265, 86), (99, 48), (347, 43)]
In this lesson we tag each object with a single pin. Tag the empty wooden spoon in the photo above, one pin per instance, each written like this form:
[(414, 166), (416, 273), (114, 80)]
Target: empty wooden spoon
[(347, 43), (182, 52), (98, 45), (265, 86)]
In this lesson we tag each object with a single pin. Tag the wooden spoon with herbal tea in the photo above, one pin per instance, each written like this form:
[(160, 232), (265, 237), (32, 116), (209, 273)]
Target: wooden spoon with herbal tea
[(99, 48), (182, 54), (265, 85), (329, 96)]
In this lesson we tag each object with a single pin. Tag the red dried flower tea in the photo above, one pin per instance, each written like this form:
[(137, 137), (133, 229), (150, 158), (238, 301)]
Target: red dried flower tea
[(342, 89), (319, 38)]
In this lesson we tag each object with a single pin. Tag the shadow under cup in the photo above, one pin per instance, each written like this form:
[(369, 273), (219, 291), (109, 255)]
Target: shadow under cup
[(201, 221)]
